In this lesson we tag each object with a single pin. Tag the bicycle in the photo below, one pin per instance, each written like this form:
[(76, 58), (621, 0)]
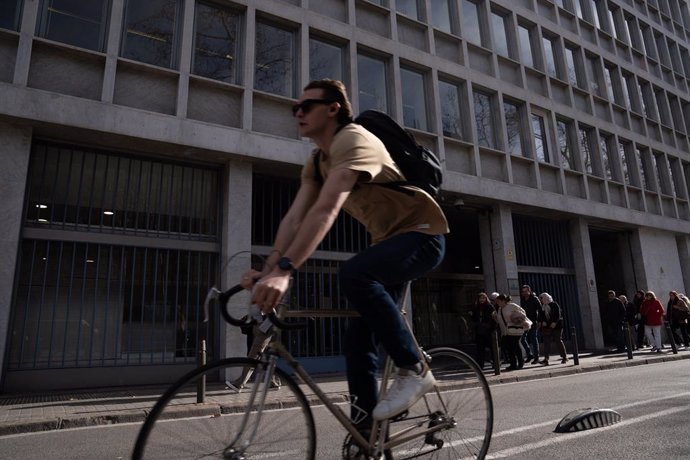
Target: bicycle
[(454, 420)]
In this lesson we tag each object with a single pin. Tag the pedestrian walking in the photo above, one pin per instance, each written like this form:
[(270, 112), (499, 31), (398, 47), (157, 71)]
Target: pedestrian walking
[(530, 339), (653, 312), (551, 327), (513, 321), (678, 312), (484, 326)]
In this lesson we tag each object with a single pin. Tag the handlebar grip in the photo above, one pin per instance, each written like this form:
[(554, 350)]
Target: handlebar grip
[(224, 297)]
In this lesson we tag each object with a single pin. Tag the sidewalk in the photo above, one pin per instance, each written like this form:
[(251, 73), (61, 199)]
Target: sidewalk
[(59, 410)]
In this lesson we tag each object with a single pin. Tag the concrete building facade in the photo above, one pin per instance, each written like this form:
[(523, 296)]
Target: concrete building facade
[(148, 152)]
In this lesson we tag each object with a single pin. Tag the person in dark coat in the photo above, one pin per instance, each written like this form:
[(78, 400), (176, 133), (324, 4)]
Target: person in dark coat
[(530, 339), (614, 319), (551, 326), (629, 317), (484, 327)]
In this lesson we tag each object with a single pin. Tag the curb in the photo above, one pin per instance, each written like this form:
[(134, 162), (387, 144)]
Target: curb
[(337, 397)]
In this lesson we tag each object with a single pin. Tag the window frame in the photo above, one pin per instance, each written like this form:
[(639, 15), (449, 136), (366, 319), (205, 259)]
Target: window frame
[(43, 21)]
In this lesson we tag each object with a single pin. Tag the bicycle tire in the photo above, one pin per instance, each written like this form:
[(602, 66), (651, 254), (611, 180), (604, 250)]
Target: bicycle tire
[(177, 427), (465, 394)]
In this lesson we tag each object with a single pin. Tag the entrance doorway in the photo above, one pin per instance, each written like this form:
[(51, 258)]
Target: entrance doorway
[(611, 262)]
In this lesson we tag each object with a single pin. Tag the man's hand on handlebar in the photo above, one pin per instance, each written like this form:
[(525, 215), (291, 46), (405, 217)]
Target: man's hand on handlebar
[(249, 278), (268, 288)]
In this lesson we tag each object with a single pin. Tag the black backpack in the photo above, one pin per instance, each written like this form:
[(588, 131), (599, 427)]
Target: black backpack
[(419, 165)]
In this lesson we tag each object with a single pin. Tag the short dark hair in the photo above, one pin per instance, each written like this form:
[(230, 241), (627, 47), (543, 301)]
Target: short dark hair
[(611, 292), (335, 90), (526, 286)]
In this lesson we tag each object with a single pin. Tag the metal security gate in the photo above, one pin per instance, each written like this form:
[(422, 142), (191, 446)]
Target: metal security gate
[(116, 258), (545, 262)]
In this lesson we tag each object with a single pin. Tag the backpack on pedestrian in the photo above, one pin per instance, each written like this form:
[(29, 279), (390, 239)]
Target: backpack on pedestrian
[(420, 166)]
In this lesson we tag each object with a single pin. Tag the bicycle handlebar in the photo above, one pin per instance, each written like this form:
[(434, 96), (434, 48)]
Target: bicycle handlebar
[(224, 296)]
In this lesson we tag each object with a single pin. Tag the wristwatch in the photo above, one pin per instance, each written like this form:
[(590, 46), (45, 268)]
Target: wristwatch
[(284, 263)]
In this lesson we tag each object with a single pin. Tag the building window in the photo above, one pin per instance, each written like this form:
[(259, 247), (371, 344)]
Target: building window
[(623, 153), (662, 104), (660, 172), (648, 105), (525, 37), (408, 8), (633, 31), (514, 131), (151, 30), (572, 59), (371, 79), (565, 144), (483, 116), (325, 60), (541, 151), (643, 167), (549, 57), (217, 43), (586, 143), (82, 24), (10, 14), (275, 60), (593, 73), (593, 13), (440, 15), (648, 39), (498, 25), (449, 94), (612, 84), (632, 96), (413, 99), (471, 27), (605, 141)]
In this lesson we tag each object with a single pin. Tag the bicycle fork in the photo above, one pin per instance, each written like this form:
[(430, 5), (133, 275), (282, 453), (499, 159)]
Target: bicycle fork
[(263, 373)]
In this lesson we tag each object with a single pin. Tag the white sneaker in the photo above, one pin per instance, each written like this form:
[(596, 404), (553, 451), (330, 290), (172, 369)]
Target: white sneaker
[(405, 391)]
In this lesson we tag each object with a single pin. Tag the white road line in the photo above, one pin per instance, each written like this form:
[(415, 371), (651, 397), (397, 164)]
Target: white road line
[(570, 436), (622, 406)]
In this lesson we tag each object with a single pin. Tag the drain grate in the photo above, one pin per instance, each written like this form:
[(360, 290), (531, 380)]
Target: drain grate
[(586, 419)]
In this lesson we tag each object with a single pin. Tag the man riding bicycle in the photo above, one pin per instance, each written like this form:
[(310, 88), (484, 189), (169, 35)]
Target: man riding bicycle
[(407, 232)]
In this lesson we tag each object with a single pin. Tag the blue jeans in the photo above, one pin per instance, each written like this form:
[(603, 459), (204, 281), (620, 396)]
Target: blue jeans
[(530, 342), (372, 282)]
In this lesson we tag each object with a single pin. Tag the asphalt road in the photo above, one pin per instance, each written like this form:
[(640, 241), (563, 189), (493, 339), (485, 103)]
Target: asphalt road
[(653, 400)]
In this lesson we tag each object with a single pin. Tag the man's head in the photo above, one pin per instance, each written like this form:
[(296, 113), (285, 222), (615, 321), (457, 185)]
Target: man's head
[(525, 291), (611, 295), (323, 103)]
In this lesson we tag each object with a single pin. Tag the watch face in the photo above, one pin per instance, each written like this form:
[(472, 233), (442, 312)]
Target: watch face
[(285, 263)]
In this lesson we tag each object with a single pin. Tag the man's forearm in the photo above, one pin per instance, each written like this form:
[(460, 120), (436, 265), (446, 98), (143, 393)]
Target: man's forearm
[(311, 232)]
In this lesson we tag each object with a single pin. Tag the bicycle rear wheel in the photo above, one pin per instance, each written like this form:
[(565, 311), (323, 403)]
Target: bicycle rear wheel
[(463, 401), (228, 424)]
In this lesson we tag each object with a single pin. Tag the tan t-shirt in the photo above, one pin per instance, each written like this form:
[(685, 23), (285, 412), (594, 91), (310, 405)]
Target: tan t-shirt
[(384, 211)]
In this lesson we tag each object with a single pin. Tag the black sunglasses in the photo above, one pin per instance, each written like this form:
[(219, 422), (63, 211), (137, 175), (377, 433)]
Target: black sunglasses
[(308, 104)]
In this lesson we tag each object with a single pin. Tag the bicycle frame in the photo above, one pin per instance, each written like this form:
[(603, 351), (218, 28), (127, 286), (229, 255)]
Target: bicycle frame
[(276, 350)]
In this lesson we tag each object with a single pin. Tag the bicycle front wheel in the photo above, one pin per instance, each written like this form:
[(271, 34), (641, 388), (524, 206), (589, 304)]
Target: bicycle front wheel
[(461, 403), (228, 424)]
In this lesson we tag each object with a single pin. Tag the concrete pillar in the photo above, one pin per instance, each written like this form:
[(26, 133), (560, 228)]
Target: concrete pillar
[(237, 244), (486, 244), (505, 264), (591, 332), (14, 167)]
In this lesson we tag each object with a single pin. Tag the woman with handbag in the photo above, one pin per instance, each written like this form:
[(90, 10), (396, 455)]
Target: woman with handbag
[(513, 322), (551, 326)]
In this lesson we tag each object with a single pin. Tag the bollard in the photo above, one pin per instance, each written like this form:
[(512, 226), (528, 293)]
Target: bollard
[(201, 383), (497, 353), (670, 337), (573, 337), (628, 337)]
